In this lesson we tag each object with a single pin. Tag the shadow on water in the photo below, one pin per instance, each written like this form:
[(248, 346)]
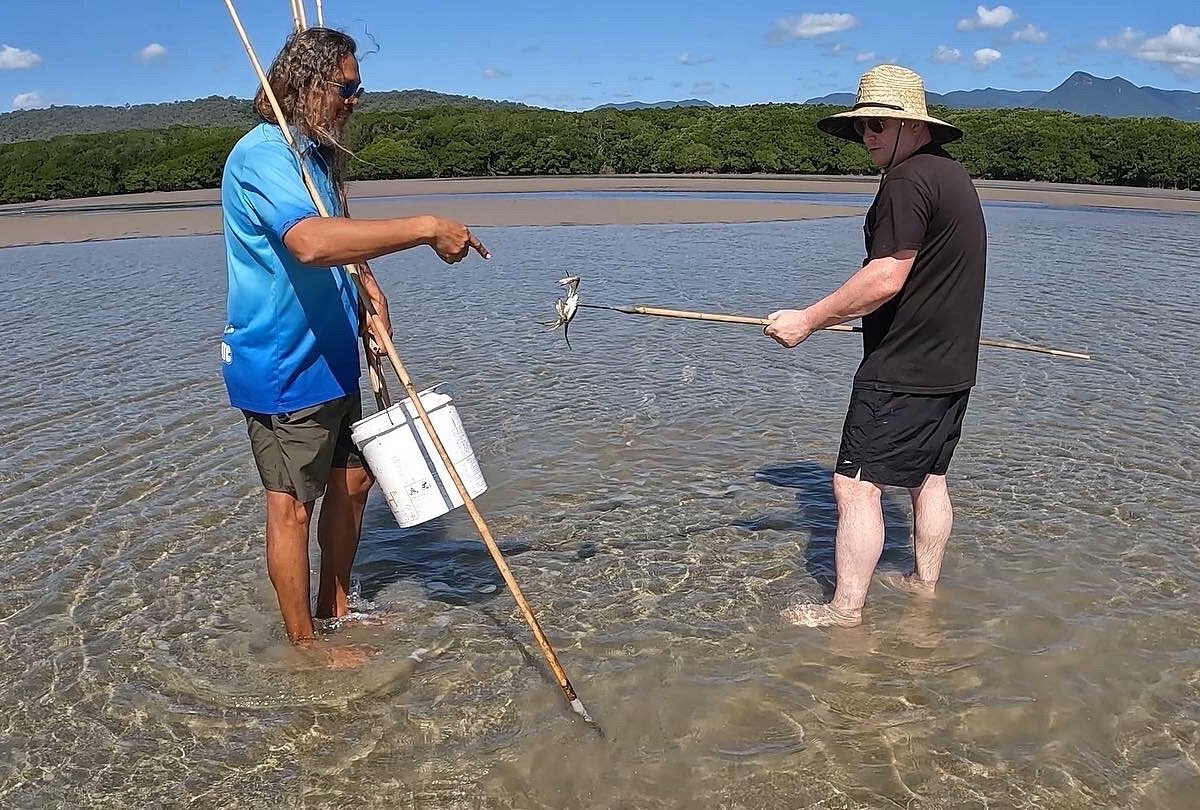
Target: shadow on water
[(817, 515), (454, 570)]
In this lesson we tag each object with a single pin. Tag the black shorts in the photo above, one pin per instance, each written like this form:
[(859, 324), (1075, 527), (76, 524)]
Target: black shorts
[(296, 451), (897, 439)]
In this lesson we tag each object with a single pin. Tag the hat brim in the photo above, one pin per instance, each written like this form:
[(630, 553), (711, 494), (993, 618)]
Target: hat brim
[(841, 125)]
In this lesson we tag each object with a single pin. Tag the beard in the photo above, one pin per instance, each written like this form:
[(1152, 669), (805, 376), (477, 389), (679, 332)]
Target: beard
[(332, 128)]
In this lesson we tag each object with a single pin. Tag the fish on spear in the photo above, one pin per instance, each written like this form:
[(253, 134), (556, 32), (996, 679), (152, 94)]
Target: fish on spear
[(566, 308), (569, 307)]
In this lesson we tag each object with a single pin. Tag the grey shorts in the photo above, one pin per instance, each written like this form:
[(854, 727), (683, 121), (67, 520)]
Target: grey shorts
[(296, 451)]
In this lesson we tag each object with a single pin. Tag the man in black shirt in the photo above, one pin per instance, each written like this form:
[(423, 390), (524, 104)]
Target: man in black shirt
[(920, 296)]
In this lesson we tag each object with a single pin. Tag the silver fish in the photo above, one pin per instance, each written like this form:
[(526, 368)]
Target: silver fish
[(566, 308)]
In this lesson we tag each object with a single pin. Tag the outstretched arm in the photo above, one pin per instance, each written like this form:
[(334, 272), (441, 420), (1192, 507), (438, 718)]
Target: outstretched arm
[(866, 291), (325, 241)]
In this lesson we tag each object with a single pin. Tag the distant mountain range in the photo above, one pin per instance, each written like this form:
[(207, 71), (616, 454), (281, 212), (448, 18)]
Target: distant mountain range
[(214, 111), (656, 105), (1081, 93)]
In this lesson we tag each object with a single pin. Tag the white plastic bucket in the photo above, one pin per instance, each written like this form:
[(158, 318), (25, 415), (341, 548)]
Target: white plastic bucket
[(406, 464)]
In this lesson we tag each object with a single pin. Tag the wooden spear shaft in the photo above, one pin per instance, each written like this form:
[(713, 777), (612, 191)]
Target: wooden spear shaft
[(721, 318), (390, 348)]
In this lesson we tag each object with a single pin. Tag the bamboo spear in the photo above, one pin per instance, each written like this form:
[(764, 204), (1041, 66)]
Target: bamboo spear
[(381, 335), (721, 318)]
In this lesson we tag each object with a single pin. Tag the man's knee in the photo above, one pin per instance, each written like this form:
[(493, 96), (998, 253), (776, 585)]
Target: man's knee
[(284, 510), (849, 491)]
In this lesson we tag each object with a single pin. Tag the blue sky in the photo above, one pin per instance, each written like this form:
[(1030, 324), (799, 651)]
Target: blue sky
[(577, 55)]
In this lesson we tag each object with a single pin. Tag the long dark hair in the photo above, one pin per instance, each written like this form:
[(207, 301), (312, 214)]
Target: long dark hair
[(298, 77)]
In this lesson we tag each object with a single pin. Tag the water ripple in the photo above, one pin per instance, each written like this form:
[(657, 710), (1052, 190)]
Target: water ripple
[(660, 492)]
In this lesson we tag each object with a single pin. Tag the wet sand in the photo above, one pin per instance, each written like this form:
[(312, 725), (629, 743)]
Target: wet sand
[(190, 213)]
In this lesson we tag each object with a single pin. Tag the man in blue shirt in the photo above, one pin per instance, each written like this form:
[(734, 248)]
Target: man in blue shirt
[(290, 348)]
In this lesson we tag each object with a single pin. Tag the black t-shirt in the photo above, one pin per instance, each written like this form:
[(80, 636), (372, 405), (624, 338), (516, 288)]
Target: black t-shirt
[(925, 340)]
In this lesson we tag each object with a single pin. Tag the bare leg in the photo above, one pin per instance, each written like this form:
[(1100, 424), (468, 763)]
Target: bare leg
[(287, 561), (933, 517), (338, 531), (859, 544)]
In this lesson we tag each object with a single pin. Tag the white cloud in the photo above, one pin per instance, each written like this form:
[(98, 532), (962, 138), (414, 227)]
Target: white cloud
[(702, 87), (944, 55), (1179, 49), (151, 52), (985, 17), (1031, 33), (810, 26), (29, 101), (986, 57), (1124, 41), (686, 58), (17, 59), (494, 73), (865, 57)]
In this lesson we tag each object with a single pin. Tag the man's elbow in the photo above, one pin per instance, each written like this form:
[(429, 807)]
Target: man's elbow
[(310, 258), (305, 244), (892, 277)]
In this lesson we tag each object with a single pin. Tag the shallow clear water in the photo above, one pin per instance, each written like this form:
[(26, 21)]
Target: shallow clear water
[(661, 491)]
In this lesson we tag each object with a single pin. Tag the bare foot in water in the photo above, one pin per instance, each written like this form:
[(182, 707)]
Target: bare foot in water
[(814, 615), (909, 583), (337, 656)]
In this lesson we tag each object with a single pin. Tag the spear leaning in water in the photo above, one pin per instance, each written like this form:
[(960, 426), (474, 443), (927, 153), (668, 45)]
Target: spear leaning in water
[(380, 334)]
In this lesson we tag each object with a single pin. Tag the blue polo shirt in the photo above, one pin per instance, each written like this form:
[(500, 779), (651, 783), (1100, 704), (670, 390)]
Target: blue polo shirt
[(291, 336)]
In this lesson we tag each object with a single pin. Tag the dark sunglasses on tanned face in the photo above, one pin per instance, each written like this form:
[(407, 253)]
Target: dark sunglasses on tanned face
[(876, 125), (348, 90)]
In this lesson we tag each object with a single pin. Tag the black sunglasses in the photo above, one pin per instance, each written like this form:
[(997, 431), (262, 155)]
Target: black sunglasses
[(876, 125), (348, 90)]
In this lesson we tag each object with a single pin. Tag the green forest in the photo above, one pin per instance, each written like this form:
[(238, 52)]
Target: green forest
[(214, 111), (468, 142)]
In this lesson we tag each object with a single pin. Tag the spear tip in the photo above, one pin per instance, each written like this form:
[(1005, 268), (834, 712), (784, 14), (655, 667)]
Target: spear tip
[(580, 710)]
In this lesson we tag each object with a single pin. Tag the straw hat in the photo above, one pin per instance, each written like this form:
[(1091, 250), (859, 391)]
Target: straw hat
[(889, 91)]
